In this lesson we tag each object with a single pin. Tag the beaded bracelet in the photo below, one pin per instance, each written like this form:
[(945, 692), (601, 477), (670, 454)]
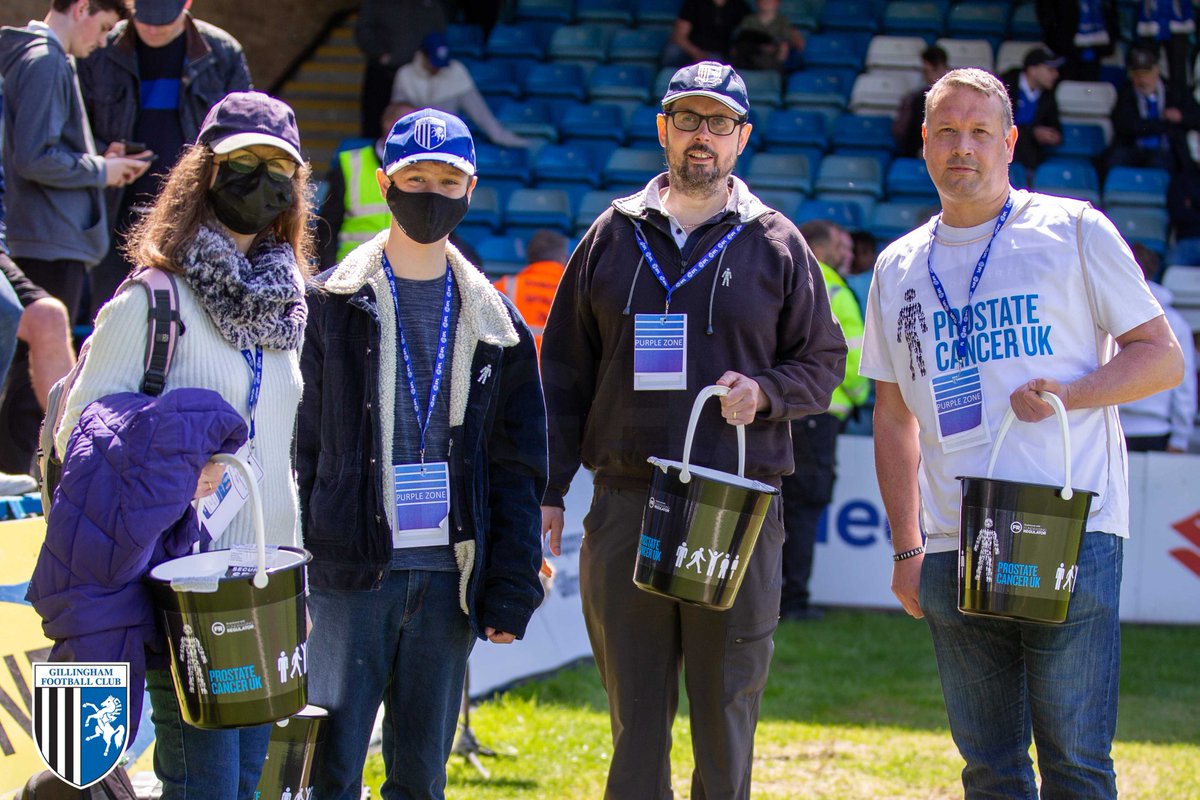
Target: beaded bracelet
[(907, 554)]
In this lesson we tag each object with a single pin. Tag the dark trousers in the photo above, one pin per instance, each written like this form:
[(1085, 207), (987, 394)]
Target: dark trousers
[(1147, 444), (641, 641), (806, 494), (20, 414), (376, 93)]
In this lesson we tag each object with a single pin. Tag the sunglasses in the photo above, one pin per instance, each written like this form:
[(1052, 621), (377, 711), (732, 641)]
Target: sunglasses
[(244, 162), (688, 121)]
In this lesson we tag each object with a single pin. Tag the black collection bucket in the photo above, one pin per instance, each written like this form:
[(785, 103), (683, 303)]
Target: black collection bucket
[(700, 525), (287, 771), (237, 633), (1018, 544)]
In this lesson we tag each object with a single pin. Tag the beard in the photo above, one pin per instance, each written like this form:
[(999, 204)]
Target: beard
[(700, 180)]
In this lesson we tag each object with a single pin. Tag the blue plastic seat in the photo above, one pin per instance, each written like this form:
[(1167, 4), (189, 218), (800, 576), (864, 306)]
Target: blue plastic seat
[(618, 11), (791, 128), (915, 18), (850, 174), (892, 220), (566, 162), (539, 208), (495, 79), (484, 209), (764, 87), (784, 201), (908, 177), (851, 15), (592, 205), (1136, 186), (502, 163), (978, 18), (1024, 23), (556, 80), (621, 82), (502, 255), (530, 118), (638, 44), (1018, 176), (791, 172), (1079, 141), (846, 214), (819, 88), (514, 41), (1140, 224), (863, 131), (466, 41), (585, 43), (629, 166), (1068, 178), (656, 12), (603, 121), (837, 50), (551, 10)]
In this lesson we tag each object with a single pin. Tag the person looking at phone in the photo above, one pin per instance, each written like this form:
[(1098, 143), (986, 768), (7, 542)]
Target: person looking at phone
[(146, 95)]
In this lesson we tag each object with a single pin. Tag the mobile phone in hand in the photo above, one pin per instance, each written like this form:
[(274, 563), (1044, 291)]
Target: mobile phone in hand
[(133, 148)]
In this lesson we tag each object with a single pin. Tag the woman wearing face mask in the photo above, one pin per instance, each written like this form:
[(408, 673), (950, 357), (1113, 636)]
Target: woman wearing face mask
[(421, 461), (231, 226)]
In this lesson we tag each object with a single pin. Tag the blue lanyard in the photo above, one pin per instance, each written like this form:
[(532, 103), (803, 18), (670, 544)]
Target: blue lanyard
[(439, 364), (964, 323), (255, 363), (691, 273)]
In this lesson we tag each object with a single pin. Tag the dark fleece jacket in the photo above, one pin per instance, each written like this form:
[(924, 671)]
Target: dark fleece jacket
[(760, 310)]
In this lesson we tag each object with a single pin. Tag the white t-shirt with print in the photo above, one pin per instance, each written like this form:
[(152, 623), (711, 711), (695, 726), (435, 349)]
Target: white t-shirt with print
[(1030, 318)]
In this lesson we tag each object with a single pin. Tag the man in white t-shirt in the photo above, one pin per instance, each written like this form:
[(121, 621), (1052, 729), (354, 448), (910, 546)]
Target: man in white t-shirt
[(1047, 285)]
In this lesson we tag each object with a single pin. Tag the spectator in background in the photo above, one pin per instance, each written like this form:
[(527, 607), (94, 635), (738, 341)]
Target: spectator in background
[(910, 115), (435, 80), (862, 267), (57, 226), (1183, 203), (152, 85), (766, 40), (1149, 129), (1170, 25), (389, 34), (1082, 31), (1163, 421), (532, 289), (704, 30), (808, 490), (1035, 108)]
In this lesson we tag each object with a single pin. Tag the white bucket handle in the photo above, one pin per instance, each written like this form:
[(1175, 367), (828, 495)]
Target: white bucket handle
[(1060, 411), (685, 474), (260, 534)]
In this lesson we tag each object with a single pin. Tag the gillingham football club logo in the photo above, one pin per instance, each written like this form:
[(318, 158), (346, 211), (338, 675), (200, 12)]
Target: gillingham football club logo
[(81, 718), (430, 133), (708, 75)]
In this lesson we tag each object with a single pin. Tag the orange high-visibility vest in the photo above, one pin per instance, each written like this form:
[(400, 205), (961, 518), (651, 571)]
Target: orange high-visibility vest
[(532, 292)]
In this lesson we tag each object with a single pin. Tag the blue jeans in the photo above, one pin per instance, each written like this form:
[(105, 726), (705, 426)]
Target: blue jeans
[(10, 318), (1003, 679), (407, 646), (197, 764)]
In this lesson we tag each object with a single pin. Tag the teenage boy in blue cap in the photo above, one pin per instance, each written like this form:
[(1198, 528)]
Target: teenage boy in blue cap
[(421, 461), (749, 296)]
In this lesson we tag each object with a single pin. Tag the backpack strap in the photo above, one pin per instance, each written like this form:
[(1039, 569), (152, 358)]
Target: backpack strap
[(164, 327)]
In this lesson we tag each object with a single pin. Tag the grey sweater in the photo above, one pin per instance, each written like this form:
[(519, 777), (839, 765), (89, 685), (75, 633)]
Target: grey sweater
[(55, 189)]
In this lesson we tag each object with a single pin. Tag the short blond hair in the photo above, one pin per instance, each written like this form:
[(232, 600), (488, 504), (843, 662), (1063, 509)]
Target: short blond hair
[(977, 80)]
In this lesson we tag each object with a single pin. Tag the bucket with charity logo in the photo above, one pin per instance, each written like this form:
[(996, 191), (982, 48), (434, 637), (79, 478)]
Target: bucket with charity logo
[(236, 627), (287, 772), (700, 525), (1018, 544)]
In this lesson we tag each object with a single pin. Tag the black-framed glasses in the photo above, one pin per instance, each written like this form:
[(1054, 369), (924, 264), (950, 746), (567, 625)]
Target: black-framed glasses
[(245, 162), (718, 125)]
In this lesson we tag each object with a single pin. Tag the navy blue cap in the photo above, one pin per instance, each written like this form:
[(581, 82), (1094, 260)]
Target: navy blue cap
[(436, 48), (429, 135), (709, 79), (158, 12), (241, 119)]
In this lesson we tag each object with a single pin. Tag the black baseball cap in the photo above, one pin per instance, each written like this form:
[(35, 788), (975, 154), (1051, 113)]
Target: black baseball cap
[(158, 12), (241, 119), (1042, 55), (1142, 58), (709, 79)]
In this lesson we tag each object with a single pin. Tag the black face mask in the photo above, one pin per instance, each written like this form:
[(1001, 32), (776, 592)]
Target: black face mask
[(248, 202), (426, 217)]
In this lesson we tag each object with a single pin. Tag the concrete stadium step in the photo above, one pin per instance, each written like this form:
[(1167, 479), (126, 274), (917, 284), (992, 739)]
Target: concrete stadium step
[(320, 90)]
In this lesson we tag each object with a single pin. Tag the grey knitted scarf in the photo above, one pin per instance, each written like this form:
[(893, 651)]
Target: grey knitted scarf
[(253, 299)]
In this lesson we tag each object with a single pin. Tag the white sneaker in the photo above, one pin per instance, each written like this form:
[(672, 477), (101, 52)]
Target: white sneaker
[(16, 484)]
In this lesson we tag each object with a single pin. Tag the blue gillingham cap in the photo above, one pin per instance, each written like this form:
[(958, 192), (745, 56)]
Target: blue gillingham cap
[(709, 79), (429, 135)]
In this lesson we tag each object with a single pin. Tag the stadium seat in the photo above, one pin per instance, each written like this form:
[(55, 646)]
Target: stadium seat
[(1184, 283), (803, 14), (1140, 224), (656, 12), (484, 209), (592, 205), (495, 79), (1024, 23), (892, 220), (880, 92), (1079, 141), (791, 172), (837, 50), (850, 174), (861, 131), (1011, 54), (783, 201), (566, 162), (587, 44), (973, 18), (908, 178), (514, 41), (621, 82), (851, 15), (502, 255), (530, 118), (1136, 186), (502, 163), (554, 79), (791, 128), (603, 121), (1068, 178), (1018, 176), (895, 52), (466, 41), (1085, 98), (639, 44), (968, 53), (763, 87), (643, 125), (848, 215), (865, 203), (546, 10), (539, 208), (616, 11), (915, 19), (819, 88), (633, 167)]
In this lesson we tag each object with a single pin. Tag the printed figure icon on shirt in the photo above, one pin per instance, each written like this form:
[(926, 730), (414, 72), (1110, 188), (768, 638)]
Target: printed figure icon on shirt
[(485, 373), (910, 318), (192, 654), (987, 545), (726, 276)]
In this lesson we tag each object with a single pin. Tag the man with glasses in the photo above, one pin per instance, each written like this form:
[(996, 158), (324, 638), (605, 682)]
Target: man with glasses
[(697, 250)]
